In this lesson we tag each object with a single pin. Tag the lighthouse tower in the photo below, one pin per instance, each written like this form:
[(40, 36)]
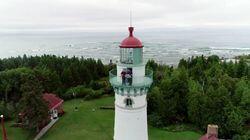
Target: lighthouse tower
[(131, 81)]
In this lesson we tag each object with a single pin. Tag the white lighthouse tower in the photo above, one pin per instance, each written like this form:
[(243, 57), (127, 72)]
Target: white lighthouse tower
[(131, 82)]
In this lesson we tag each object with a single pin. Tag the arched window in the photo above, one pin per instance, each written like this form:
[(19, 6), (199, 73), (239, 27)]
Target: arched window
[(128, 102)]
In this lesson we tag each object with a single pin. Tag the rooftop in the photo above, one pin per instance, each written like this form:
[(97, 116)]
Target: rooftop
[(53, 100), (131, 41)]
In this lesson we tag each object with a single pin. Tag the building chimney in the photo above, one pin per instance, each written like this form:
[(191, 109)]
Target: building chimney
[(212, 131)]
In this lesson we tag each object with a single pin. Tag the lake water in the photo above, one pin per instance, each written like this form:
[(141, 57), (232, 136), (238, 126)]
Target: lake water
[(165, 46)]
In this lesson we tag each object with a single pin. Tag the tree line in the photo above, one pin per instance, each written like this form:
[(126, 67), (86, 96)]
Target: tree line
[(23, 80), (202, 90)]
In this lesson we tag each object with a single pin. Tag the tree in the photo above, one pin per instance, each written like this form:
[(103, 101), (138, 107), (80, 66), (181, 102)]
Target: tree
[(156, 101), (241, 69), (1, 65), (213, 59), (50, 81), (233, 123), (152, 65), (197, 104), (32, 105), (10, 81), (67, 78), (101, 70), (156, 107), (174, 91), (85, 75), (183, 63), (242, 97), (230, 68)]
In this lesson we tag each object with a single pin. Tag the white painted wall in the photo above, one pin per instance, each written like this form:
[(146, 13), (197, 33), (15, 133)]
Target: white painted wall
[(139, 101), (138, 73), (131, 123)]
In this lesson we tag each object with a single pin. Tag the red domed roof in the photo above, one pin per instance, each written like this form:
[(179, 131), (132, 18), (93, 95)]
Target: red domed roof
[(131, 41)]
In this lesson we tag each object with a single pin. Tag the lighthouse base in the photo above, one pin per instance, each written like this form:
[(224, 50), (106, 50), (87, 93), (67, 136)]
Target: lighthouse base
[(131, 124)]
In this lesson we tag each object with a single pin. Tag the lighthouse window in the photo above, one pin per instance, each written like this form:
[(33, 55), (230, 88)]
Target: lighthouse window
[(128, 102), (126, 55)]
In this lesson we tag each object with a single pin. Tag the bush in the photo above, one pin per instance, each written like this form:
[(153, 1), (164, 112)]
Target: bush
[(81, 92), (94, 94), (96, 85), (155, 120), (181, 127), (244, 136), (240, 137)]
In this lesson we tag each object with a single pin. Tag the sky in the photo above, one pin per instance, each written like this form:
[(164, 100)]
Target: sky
[(112, 15)]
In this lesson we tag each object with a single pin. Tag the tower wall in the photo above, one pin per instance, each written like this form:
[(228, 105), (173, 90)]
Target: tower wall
[(131, 123), (138, 101)]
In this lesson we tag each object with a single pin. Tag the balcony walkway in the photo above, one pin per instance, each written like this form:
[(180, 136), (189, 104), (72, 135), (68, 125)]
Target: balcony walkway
[(145, 82), (134, 82)]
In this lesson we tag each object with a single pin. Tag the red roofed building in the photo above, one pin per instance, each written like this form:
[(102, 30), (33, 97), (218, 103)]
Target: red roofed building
[(54, 104), (55, 108)]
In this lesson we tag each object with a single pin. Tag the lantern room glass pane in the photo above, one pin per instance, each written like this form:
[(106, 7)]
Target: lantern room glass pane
[(126, 55), (131, 55), (137, 54)]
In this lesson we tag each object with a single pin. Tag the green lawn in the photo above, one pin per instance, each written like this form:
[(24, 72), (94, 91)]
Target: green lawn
[(16, 133), (91, 123)]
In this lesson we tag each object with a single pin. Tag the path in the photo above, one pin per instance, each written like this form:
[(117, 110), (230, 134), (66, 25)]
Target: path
[(45, 129)]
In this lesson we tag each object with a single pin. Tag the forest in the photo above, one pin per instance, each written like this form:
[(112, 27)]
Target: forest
[(203, 90), (200, 91), (23, 80)]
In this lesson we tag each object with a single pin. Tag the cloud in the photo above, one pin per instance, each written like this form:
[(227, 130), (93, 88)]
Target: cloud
[(114, 14)]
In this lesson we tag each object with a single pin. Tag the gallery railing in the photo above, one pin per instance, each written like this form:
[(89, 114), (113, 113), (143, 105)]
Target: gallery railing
[(119, 81)]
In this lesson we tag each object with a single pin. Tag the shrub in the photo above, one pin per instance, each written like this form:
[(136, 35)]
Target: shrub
[(94, 94), (240, 137), (155, 120), (96, 85), (82, 92)]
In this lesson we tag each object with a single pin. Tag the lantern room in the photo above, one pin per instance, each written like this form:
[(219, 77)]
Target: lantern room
[(131, 49)]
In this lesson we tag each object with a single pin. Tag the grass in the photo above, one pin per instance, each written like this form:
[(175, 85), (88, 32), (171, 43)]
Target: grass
[(14, 133), (158, 134), (91, 123)]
